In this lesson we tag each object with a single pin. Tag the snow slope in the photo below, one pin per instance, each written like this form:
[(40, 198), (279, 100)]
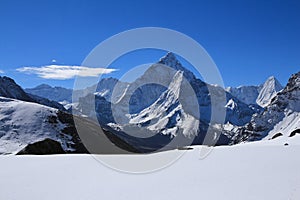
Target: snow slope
[(23, 123), (251, 172)]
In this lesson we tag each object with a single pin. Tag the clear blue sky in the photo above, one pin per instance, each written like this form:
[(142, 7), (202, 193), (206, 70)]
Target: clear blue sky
[(248, 40)]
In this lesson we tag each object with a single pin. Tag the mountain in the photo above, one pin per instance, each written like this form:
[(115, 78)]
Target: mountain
[(166, 102), (247, 94), (260, 95), (104, 88), (157, 78), (58, 94), (10, 89), (17, 131), (280, 118), (268, 91), (47, 128)]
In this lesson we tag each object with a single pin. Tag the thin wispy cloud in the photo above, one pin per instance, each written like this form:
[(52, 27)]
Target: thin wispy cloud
[(1, 71), (63, 72)]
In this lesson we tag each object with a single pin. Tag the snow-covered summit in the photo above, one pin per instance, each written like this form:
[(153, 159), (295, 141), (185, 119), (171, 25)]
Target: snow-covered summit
[(260, 95), (268, 91), (170, 60)]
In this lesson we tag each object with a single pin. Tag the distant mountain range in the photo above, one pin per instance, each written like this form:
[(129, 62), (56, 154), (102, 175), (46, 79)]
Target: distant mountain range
[(144, 116)]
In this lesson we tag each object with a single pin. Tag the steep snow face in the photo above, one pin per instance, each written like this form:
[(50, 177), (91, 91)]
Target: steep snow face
[(23, 123), (246, 94), (281, 115), (268, 91), (168, 114)]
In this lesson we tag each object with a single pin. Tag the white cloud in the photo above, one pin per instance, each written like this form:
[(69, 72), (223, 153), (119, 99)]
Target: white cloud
[(1, 71), (63, 72)]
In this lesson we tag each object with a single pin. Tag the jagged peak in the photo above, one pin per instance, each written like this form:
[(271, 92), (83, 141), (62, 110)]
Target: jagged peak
[(171, 60), (168, 57), (294, 82)]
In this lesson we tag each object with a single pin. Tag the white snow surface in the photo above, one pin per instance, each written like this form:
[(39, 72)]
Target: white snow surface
[(255, 171), (23, 123)]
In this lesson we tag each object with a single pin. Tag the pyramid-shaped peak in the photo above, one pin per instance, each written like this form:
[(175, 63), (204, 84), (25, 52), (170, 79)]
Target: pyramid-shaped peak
[(170, 60), (272, 81)]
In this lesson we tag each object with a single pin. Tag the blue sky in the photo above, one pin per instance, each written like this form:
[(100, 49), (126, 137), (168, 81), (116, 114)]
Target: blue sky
[(248, 40)]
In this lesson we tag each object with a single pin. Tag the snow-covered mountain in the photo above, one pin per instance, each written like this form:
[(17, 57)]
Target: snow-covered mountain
[(280, 118), (58, 94), (247, 94), (268, 90), (148, 88), (104, 88), (260, 95), (10, 89), (151, 105), (46, 126)]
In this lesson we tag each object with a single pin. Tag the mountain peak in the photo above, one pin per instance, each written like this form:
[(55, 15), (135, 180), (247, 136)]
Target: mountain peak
[(273, 82), (268, 91), (168, 57), (43, 86), (294, 82), (171, 60)]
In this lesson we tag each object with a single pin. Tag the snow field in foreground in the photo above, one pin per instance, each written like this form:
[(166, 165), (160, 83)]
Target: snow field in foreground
[(236, 172)]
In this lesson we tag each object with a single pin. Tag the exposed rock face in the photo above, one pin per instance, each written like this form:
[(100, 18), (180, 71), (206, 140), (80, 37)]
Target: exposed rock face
[(43, 147), (281, 115)]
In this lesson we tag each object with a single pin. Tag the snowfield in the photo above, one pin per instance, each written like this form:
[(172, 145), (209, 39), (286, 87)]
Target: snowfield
[(253, 171)]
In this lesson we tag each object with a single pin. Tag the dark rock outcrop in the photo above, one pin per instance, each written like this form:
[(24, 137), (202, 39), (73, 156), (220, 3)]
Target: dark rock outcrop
[(43, 147)]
